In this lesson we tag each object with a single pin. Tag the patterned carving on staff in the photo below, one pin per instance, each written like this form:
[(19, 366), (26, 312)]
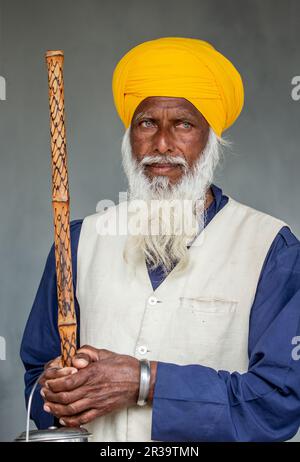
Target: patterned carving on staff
[(67, 325)]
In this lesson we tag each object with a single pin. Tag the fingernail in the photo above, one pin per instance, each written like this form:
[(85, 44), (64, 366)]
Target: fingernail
[(74, 371), (46, 385), (47, 408), (62, 422), (42, 393), (82, 362)]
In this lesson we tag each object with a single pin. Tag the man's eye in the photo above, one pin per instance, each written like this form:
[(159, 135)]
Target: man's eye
[(147, 123), (186, 124)]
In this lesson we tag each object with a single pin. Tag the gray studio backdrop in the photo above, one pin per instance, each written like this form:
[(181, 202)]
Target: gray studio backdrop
[(260, 36)]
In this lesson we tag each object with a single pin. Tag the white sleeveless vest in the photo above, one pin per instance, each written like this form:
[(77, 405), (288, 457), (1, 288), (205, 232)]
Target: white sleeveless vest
[(200, 316)]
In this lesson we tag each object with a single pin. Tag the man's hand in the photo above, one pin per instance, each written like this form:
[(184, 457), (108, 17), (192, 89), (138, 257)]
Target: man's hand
[(100, 382), (54, 369)]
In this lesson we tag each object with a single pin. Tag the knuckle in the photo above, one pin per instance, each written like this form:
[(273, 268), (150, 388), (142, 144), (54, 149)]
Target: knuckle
[(71, 409), (83, 420), (104, 350), (85, 347), (53, 363), (69, 382), (64, 397), (46, 374), (49, 375)]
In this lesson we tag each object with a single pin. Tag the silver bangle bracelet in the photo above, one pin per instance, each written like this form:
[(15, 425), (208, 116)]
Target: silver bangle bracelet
[(145, 375)]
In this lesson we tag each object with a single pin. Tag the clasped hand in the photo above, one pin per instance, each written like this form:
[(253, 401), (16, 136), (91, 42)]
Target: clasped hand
[(99, 382)]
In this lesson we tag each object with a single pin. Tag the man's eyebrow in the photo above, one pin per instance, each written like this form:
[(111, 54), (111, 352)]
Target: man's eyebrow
[(180, 114), (145, 115)]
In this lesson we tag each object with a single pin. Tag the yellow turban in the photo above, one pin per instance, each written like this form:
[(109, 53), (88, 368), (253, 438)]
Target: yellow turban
[(179, 67)]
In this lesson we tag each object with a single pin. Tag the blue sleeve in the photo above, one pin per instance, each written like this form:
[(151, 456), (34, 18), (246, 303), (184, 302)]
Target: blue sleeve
[(197, 403), (40, 342)]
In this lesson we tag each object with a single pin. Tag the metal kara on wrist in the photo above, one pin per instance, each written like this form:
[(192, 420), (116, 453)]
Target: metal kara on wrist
[(145, 375)]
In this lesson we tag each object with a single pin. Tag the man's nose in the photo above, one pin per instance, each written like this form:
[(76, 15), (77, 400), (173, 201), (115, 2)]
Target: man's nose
[(163, 142)]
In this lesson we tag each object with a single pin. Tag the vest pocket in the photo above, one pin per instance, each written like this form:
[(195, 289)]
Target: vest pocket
[(207, 305), (201, 330)]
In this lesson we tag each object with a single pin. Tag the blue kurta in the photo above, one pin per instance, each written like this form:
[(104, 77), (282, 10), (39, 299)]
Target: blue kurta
[(195, 402)]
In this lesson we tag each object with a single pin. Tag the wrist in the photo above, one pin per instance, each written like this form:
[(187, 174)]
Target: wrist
[(153, 371), (147, 382)]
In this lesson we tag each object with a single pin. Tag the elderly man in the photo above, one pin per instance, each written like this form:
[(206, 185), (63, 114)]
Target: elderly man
[(189, 332)]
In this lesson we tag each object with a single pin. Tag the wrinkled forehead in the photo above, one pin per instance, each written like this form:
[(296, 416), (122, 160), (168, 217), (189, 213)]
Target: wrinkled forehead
[(155, 106)]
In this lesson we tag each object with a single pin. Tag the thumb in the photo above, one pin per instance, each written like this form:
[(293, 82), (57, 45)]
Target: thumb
[(81, 360)]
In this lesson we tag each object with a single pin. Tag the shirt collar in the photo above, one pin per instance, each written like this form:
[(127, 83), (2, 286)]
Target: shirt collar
[(218, 195)]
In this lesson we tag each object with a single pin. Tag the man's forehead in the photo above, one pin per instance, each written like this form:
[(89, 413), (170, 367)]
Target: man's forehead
[(153, 105)]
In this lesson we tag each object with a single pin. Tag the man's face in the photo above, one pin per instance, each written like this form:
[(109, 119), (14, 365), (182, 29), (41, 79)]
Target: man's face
[(165, 126)]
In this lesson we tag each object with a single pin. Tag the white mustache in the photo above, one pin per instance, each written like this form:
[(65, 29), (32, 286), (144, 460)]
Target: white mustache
[(174, 160)]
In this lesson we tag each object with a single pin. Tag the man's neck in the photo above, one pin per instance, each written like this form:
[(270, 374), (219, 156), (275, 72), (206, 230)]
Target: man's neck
[(209, 198)]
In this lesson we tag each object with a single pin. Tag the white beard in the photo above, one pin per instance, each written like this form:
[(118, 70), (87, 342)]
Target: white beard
[(175, 213)]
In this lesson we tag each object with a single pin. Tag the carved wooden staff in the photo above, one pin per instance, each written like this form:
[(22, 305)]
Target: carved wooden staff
[(61, 208)]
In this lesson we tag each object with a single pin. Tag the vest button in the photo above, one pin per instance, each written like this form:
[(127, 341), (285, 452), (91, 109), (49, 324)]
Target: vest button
[(142, 350), (152, 300)]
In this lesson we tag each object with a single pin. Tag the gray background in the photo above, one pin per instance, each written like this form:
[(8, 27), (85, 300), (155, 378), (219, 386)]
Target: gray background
[(260, 36)]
